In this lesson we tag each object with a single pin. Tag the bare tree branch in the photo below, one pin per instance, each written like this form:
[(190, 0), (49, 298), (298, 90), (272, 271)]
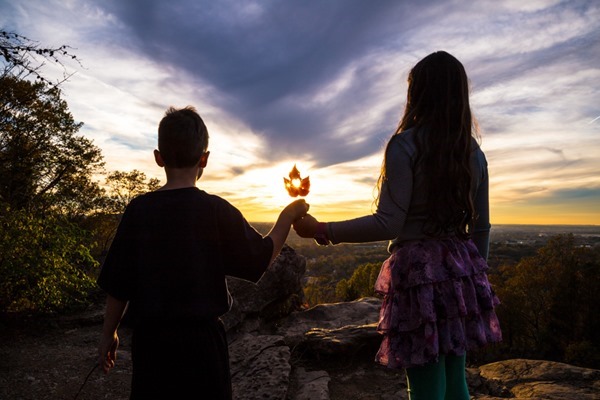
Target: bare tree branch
[(24, 57)]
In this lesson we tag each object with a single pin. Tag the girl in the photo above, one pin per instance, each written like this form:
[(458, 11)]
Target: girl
[(433, 206)]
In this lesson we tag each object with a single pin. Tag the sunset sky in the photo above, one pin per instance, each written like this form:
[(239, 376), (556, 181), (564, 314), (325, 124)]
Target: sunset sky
[(322, 83)]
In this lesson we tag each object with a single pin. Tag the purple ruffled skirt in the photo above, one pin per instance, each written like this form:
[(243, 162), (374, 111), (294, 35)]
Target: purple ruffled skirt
[(437, 300)]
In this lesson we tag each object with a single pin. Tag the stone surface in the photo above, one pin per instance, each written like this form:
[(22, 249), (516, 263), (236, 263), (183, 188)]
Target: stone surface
[(342, 340), (260, 367), (362, 312), (532, 379), (309, 385)]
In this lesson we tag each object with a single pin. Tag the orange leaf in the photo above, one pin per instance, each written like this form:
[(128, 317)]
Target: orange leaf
[(296, 186)]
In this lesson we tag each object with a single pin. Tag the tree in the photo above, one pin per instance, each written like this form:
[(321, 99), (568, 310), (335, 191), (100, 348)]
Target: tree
[(120, 188), (548, 302), (124, 186), (23, 57), (46, 182), (319, 290), (46, 185), (360, 284), (44, 165)]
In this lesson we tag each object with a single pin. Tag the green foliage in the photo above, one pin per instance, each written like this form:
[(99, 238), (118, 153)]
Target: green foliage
[(124, 186), (319, 290), (120, 188), (101, 228), (49, 263), (327, 266), (44, 165), (360, 284), (44, 264), (583, 353), (548, 301)]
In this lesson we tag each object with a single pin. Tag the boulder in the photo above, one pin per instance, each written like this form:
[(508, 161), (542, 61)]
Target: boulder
[(345, 340), (329, 320), (539, 379), (276, 294)]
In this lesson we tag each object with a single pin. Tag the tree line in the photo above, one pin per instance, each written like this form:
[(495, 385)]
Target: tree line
[(549, 303)]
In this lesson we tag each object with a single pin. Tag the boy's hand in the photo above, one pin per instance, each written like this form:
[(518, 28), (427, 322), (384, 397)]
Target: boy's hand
[(107, 351), (306, 227), (296, 209)]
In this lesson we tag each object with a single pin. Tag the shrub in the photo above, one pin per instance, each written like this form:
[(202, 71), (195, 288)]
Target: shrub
[(44, 264), (360, 284)]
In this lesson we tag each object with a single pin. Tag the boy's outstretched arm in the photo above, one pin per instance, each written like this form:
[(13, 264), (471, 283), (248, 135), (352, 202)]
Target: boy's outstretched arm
[(109, 340), (281, 229)]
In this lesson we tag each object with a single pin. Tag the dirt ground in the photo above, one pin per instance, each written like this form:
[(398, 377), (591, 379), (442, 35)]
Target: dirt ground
[(51, 360)]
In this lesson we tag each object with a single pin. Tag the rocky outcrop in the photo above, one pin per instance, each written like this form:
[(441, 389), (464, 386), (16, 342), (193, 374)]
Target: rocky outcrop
[(535, 379), (278, 293), (266, 326), (281, 352)]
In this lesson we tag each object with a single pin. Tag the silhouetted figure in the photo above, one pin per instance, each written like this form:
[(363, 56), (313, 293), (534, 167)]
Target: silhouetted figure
[(168, 263), (433, 207)]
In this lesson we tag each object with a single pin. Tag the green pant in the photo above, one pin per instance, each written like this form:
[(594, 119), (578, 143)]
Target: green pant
[(443, 380)]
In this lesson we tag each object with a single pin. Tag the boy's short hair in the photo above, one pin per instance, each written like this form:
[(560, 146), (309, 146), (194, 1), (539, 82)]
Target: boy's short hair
[(182, 137)]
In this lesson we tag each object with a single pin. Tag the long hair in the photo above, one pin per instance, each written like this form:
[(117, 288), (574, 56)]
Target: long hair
[(437, 107)]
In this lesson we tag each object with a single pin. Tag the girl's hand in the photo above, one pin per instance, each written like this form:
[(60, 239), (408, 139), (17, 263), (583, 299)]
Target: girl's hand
[(306, 227)]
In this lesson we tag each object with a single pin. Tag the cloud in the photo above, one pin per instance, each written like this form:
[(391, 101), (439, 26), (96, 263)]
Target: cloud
[(583, 199), (269, 62), (325, 82)]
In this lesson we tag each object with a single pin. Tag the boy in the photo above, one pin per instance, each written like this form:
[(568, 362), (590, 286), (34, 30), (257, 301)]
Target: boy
[(168, 263)]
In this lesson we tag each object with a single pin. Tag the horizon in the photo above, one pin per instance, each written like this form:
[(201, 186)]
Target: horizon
[(492, 225), (323, 85)]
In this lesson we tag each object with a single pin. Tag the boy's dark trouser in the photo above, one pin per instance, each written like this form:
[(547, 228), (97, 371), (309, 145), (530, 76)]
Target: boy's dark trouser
[(444, 379), (180, 361)]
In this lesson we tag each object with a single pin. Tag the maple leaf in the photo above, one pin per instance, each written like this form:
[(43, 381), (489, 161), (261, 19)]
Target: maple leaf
[(296, 185)]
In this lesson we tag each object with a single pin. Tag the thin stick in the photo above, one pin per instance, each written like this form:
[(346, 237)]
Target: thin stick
[(85, 380)]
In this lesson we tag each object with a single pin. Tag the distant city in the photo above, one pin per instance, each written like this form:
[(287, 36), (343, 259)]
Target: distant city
[(532, 235), (585, 235)]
